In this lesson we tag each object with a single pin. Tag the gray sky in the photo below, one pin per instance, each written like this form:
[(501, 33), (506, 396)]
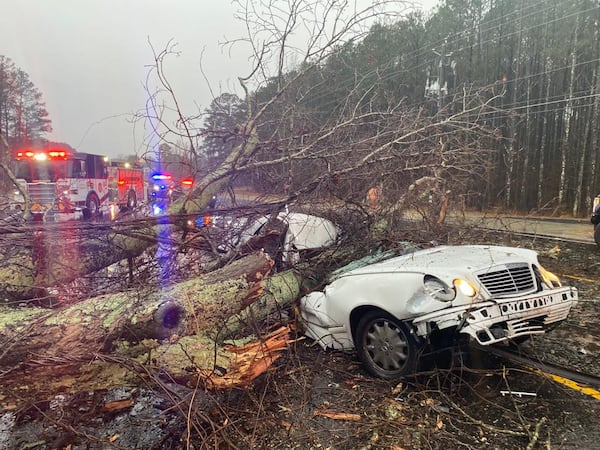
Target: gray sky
[(90, 59)]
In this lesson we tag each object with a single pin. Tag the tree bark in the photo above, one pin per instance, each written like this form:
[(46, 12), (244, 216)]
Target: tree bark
[(48, 255), (544, 138), (179, 331), (567, 117)]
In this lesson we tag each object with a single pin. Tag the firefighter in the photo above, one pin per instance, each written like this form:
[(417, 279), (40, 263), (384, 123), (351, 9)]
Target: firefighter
[(374, 198)]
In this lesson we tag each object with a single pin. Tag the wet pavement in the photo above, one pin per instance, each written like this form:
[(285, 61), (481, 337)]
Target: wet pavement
[(565, 228)]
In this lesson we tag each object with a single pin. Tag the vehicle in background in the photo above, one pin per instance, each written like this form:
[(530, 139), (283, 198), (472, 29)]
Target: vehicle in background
[(64, 184), (160, 192), (184, 188), (209, 219), (290, 237), (596, 219), (393, 310), (126, 187), (59, 181)]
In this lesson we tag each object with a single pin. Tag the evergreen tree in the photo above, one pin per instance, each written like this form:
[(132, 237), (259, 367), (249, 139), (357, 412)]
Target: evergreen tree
[(23, 115), (222, 127)]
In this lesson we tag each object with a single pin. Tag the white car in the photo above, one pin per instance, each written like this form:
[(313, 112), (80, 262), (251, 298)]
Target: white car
[(301, 232), (293, 233), (390, 311)]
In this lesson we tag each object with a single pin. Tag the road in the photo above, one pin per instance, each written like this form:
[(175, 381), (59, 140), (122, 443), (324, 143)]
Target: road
[(577, 229)]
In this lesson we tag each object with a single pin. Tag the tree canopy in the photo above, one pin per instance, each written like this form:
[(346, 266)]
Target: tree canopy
[(23, 115), (535, 65)]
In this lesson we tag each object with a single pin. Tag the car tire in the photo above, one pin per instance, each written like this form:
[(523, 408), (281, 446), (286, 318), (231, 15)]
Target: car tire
[(92, 207), (597, 234), (385, 346)]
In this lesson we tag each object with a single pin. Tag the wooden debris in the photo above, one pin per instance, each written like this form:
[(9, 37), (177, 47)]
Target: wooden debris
[(118, 405), (249, 361), (337, 415)]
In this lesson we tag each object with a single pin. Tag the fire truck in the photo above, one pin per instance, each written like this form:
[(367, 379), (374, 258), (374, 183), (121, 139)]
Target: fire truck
[(63, 184), (126, 187)]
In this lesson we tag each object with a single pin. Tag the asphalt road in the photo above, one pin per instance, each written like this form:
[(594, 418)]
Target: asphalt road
[(578, 229)]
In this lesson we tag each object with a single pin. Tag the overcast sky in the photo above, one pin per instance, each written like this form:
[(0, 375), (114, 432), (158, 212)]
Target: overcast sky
[(90, 59)]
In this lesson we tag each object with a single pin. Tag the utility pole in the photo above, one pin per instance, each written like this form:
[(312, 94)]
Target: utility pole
[(442, 83)]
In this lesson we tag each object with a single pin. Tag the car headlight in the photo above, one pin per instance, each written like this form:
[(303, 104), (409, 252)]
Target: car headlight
[(438, 290), (465, 288), (551, 280)]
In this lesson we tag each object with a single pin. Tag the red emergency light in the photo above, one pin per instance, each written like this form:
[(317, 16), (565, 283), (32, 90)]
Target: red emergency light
[(57, 154), (187, 182), (42, 155), (24, 154)]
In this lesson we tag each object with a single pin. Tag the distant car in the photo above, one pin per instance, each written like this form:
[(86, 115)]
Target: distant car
[(394, 310)]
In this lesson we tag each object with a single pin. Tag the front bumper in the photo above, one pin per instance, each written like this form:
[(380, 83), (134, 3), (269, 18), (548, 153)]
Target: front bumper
[(501, 320)]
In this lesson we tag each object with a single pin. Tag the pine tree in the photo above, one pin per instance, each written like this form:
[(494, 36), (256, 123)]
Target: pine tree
[(23, 115)]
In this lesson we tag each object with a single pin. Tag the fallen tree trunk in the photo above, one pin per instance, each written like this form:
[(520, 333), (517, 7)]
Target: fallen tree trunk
[(36, 258), (179, 331)]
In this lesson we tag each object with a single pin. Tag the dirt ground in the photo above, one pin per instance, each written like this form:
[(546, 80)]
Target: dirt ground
[(324, 400)]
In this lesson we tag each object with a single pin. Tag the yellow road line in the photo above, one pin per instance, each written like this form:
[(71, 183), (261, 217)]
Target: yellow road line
[(573, 277), (571, 384)]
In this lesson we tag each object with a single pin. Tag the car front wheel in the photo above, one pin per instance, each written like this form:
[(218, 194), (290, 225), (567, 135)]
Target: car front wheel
[(385, 346)]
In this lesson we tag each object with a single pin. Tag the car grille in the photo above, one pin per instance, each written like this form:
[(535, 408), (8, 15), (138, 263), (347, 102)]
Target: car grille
[(511, 279)]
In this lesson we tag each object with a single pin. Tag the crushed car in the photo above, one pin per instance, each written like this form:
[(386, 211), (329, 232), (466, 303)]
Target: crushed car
[(287, 237), (290, 235), (393, 311)]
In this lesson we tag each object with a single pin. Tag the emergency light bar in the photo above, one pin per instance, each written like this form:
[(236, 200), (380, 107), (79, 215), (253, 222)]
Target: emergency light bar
[(187, 182), (42, 155), (161, 176)]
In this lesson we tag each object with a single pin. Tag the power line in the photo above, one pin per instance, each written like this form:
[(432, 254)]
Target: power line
[(348, 83), (351, 84)]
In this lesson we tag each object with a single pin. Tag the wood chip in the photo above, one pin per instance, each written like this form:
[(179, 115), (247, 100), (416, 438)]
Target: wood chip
[(118, 405), (337, 415)]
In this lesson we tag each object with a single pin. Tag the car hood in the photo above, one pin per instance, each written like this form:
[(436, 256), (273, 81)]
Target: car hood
[(462, 258)]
